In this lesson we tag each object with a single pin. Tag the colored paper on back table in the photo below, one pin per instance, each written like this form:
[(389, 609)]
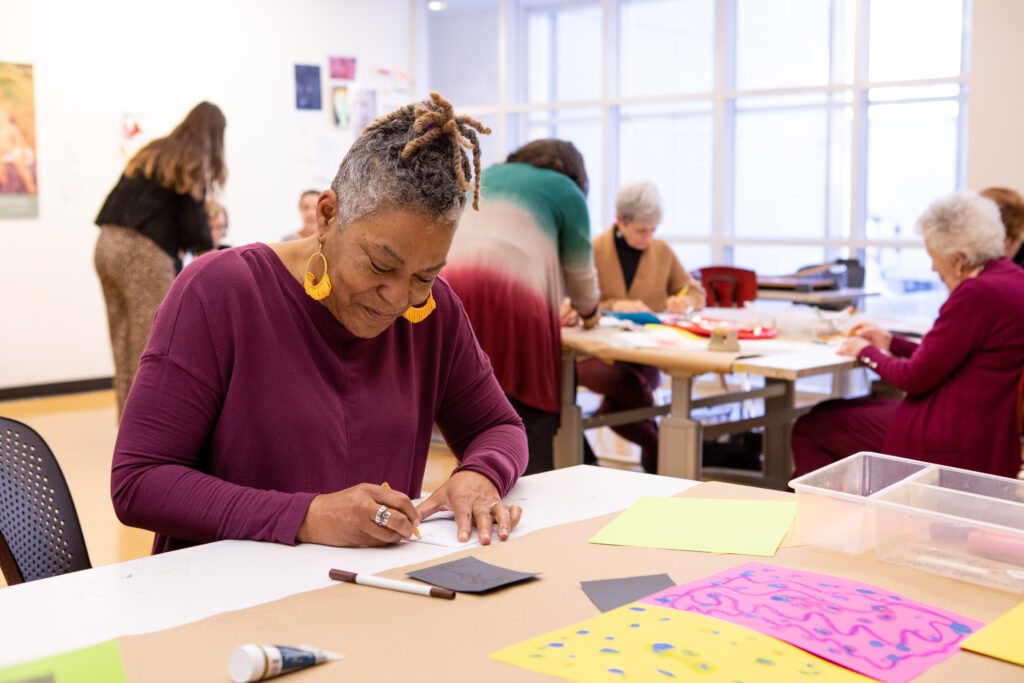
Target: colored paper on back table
[(644, 643), (743, 527), (862, 627), (1001, 638), (96, 663)]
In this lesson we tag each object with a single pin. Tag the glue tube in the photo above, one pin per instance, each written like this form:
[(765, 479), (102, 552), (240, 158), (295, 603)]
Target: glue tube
[(258, 662)]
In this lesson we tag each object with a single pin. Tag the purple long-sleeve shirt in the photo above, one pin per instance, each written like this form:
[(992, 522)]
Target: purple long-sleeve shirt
[(961, 380), (251, 399)]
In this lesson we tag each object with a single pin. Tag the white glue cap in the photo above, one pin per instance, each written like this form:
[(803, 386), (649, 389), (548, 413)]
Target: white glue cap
[(247, 663)]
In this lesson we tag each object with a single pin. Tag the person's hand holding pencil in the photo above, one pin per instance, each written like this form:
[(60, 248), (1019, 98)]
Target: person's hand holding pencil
[(874, 334), (363, 515)]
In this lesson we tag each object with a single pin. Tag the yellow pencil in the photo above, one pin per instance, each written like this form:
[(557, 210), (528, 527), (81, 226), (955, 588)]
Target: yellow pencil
[(414, 529), (683, 291)]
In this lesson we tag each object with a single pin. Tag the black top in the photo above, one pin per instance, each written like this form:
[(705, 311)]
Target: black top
[(629, 258), (176, 222)]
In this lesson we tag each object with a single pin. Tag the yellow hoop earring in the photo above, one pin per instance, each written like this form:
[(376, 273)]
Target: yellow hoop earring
[(417, 314), (317, 290)]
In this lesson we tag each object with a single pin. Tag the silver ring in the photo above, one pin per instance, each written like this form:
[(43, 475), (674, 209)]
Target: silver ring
[(383, 516), (490, 508)]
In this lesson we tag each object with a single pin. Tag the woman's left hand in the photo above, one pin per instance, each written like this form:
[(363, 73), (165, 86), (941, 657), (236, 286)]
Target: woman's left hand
[(474, 500), (852, 346), (678, 305)]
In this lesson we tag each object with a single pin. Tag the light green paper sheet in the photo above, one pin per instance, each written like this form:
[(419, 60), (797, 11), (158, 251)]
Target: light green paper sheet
[(97, 663), (741, 527), (1001, 638)]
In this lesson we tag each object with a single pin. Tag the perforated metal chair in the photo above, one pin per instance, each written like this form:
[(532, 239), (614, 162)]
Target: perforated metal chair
[(40, 535)]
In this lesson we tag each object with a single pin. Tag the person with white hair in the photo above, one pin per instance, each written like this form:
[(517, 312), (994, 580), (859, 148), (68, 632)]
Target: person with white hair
[(636, 273), (960, 381)]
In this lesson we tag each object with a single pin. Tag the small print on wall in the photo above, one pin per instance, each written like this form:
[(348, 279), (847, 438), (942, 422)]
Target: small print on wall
[(18, 190), (307, 86), (339, 107), (364, 109), (343, 68)]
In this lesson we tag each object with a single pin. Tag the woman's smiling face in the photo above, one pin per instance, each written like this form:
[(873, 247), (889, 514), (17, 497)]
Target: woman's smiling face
[(380, 265)]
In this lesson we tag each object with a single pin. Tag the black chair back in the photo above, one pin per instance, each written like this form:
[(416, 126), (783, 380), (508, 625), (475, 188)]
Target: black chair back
[(40, 535)]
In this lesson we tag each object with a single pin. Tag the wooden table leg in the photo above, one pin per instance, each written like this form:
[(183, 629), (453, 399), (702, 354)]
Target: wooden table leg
[(679, 437), (778, 460), (568, 445)]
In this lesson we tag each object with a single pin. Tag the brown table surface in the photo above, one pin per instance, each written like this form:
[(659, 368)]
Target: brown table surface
[(391, 636), (792, 282)]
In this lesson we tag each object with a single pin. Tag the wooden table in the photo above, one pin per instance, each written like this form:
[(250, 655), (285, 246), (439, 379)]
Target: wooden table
[(390, 636), (680, 436), (817, 297)]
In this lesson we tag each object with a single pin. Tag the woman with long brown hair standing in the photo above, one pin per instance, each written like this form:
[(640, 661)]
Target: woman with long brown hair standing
[(155, 211)]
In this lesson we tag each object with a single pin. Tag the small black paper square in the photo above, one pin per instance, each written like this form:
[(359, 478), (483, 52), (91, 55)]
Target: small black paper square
[(469, 575), (608, 594)]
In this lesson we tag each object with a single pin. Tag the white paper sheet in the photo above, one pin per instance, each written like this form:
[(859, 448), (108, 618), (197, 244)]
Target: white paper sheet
[(163, 591)]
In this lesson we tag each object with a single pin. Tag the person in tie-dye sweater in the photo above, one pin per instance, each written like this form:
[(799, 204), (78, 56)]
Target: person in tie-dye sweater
[(512, 263)]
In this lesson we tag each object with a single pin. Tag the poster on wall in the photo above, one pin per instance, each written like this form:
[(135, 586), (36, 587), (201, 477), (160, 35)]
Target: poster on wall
[(343, 68), (18, 190), (307, 86), (339, 107), (364, 110)]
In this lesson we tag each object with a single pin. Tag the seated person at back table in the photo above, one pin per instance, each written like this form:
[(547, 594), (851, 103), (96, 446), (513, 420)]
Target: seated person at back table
[(307, 208), (961, 380), (636, 272), (284, 383), (1011, 210), (218, 217)]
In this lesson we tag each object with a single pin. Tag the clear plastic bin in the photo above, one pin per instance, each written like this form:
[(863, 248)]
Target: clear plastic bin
[(832, 509), (965, 525)]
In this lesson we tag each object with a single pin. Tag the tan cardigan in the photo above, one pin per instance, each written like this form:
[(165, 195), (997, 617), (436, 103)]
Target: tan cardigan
[(659, 275)]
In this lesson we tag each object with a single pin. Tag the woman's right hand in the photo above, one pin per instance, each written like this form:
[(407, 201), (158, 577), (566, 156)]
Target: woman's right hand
[(873, 333), (630, 306), (346, 518)]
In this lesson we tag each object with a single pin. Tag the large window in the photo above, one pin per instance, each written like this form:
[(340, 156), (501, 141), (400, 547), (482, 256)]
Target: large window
[(780, 134)]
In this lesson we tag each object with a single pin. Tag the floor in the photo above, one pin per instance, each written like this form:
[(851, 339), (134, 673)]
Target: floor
[(80, 429)]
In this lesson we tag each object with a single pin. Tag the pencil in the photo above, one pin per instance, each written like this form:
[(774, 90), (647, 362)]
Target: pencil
[(392, 584), (683, 291), (414, 529)]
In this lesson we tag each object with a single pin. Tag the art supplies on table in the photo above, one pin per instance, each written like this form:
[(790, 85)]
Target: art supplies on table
[(863, 627), (607, 594), (705, 326), (747, 527), (1001, 638), (258, 662), (640, 642), (470, 575), (390, 584), (962, 524), (101, 662), (638, 317)]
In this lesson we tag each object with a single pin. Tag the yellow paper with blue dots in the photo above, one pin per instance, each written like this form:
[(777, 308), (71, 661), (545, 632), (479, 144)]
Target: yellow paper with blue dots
[(646, 643)]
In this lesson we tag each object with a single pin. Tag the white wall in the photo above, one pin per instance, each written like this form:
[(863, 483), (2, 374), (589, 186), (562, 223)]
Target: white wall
[(996, 121), (95, 61)]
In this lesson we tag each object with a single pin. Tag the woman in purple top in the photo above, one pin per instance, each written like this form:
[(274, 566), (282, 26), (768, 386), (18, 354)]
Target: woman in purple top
[(960, 381), (284, 384)]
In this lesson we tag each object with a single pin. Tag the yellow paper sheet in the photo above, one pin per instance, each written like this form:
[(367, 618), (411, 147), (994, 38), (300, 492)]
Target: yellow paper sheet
[(742, 527), (1002, 638), (90, 664), (645, 643)]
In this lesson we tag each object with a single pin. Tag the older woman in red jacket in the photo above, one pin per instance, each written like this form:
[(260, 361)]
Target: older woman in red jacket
[(960, 381)]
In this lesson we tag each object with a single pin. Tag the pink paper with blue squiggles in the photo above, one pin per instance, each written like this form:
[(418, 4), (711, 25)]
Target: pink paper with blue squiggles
[(862, 627)]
